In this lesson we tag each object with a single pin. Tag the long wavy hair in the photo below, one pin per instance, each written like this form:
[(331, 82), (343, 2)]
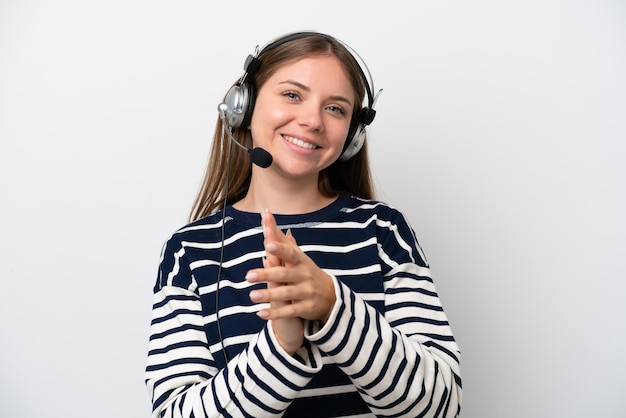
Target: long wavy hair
[(352, 176)]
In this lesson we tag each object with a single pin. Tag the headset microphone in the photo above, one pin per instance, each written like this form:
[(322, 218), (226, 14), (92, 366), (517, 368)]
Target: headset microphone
[(258, 156)]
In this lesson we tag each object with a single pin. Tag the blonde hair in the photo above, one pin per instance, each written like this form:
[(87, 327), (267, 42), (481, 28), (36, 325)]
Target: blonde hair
[(352, 176)]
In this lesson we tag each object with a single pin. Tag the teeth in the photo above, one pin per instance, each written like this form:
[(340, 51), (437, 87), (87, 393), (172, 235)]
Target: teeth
[(299, 142)]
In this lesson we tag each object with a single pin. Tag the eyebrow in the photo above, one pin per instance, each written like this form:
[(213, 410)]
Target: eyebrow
[(338, 98)]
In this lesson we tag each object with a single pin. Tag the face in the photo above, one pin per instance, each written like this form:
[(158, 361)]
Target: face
[(302, 115)]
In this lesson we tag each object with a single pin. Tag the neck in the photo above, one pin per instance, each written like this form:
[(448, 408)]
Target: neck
[(282, 196)]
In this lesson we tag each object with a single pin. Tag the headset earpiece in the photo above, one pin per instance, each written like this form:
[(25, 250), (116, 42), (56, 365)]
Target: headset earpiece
[(356, 134), (239, 103), (241, 97)]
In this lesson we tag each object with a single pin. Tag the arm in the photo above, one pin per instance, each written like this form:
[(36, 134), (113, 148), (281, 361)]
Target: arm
[(181, 374), (412, 368)]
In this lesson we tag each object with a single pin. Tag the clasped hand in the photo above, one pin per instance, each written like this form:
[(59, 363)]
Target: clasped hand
[(297, 288)]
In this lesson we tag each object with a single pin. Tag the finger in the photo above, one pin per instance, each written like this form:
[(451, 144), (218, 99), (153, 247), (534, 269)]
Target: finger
[(288, 307), (267, 264), (271, 234), (266, 296), (282, 312), (270, 228), (287, 252), (272, 275), (268, 236)]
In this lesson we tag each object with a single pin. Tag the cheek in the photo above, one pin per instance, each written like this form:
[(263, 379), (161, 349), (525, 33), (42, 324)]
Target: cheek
[(258, 126), (339, 135), (266, 118)]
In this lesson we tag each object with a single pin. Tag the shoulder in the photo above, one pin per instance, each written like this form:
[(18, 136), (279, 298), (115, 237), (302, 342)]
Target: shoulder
[(392, 226), (201, 232), (204, 227), (357, 206), (180, 250)]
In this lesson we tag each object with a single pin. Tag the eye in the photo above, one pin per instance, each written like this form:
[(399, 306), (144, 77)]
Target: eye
[(291, 95), (337, 109)]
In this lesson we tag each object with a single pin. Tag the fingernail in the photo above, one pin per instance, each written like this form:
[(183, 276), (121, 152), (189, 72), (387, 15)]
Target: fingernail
[(252, 276), (271, 247), (255, 295), (263, 314)]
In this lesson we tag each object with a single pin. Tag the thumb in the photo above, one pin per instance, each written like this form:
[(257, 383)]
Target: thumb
[(290, 236)]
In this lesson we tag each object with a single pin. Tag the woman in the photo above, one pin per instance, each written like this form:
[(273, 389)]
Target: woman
[(293, 293)]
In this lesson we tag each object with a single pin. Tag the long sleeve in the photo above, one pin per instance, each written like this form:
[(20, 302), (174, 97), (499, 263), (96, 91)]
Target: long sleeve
[(181, 374), (411, 365)]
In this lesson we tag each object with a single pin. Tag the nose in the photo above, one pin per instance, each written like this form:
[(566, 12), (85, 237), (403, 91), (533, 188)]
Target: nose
[(310, 116)]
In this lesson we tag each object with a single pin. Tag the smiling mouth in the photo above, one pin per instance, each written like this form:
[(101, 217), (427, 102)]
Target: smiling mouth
[(300, 143)]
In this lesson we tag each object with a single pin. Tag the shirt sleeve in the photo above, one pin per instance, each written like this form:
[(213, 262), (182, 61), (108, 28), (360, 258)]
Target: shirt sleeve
[(181, 375), (412, 364)]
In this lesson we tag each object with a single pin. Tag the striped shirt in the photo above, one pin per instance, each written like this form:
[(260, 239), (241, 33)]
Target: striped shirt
[(386, 350)]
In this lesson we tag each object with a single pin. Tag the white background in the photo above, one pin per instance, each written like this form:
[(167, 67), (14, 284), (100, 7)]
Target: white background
[(500, 134)]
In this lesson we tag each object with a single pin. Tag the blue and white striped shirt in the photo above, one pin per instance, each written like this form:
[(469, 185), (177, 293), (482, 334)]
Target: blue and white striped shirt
[(386, 350)]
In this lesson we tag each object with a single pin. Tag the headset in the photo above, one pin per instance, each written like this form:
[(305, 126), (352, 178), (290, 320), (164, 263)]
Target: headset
[(236, 110)]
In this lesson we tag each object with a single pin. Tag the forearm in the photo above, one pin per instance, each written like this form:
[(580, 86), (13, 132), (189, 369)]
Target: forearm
[(261, 381), (399, 373)]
